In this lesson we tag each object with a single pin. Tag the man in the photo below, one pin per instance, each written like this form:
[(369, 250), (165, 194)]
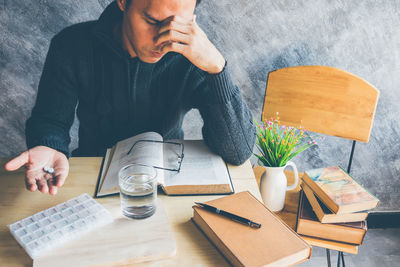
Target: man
[(141, 67)]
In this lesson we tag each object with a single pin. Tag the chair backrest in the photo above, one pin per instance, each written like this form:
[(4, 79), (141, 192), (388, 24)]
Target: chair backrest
[(322, 99)]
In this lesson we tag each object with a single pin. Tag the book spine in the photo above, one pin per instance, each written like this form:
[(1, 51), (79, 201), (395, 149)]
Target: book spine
[(331, 244), (313, 202), (298, 216), (330, 203), (331, 232)]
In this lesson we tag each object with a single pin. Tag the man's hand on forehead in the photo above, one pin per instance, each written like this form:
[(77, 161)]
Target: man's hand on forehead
[(184, 36), (177, 23), (172, 28)]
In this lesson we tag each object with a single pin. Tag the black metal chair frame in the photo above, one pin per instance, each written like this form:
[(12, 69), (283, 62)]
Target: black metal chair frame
[(340, 259)]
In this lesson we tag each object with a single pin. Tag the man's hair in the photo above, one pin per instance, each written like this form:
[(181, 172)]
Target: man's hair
[(128, 2)]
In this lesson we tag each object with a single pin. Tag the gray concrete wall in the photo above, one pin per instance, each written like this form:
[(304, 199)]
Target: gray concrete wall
[(256, 37)]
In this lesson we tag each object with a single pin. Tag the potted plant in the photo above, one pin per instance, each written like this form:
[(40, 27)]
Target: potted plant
[(277, 145)]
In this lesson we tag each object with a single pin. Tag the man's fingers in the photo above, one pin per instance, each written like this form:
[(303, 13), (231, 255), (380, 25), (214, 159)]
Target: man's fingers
[(31, 176), (176, 47), (39, 180), (42, 185), (30, 186), (173, 36), (17, 162), (60, 170), (176, 26), (60, 177), (52, 188), (51, 184)]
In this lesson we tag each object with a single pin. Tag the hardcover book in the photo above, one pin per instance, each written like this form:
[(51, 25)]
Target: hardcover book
[(199, 172), (330, 244), (324, 215), (308, 225), (274, 244), (339, 191)]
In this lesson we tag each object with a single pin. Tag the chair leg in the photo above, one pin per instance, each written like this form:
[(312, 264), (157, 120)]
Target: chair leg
[(343, 259), (328, 257), (340, 259)]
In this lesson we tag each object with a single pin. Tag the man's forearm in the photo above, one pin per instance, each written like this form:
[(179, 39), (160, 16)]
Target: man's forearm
[(54, 110), (228, 123), (229, 130), (41, 132)]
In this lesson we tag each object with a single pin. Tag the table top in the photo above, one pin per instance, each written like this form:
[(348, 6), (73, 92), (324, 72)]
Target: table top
[(192, 246)]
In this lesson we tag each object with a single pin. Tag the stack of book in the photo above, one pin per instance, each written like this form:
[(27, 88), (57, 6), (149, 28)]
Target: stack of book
[(333, 206)]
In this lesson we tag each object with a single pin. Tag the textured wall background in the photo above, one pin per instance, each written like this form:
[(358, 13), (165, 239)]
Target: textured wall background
[(256, 37)]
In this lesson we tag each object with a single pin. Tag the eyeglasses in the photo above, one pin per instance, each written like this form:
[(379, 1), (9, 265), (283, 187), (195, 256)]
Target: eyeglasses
[(170, 149)]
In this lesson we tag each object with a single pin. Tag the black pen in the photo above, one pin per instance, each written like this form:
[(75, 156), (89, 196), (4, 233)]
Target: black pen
[(229, 215)]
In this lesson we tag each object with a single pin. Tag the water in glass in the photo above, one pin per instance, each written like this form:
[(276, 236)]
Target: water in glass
[(138, 193)]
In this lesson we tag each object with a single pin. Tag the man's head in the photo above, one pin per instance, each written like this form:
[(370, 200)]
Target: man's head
[(128, 2), (141, 22)]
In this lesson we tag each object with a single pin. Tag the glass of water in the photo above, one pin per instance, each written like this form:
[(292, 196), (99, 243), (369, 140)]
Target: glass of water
[(138, 190)]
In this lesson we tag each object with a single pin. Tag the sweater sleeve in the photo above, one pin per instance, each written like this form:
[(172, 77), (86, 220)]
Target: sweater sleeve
[(228, 123), (54, 110)]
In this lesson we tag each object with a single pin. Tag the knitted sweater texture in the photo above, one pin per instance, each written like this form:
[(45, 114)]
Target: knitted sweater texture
[(115, 96)]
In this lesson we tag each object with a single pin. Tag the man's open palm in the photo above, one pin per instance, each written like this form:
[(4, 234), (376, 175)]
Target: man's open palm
[(35, 159)]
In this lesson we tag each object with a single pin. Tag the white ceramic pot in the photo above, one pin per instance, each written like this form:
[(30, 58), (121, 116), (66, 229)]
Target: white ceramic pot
[(273, 186)]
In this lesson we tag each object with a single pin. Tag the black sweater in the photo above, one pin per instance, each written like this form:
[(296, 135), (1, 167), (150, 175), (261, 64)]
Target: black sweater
[(116, 96)]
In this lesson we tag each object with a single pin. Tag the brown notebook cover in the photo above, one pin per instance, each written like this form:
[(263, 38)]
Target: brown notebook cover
[(309, 225), (274, 244)]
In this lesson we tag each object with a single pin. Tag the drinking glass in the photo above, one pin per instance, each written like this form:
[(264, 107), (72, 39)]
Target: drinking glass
[(138, 190)]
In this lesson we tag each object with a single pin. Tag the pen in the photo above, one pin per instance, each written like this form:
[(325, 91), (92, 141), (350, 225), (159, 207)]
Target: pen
[(229, 215)]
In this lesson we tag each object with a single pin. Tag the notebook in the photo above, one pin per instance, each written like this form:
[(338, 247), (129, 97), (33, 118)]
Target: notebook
[(274, 244)]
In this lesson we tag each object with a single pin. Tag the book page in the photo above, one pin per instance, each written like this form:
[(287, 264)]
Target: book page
[(146, 153), (200, 166), (104, 169)]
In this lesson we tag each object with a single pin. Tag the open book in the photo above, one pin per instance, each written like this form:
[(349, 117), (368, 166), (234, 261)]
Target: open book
[(201, 171)]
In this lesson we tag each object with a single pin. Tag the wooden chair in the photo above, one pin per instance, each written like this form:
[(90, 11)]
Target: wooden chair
[(324, 100)]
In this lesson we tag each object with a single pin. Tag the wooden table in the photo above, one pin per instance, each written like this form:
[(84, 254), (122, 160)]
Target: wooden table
[(192, 246)]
